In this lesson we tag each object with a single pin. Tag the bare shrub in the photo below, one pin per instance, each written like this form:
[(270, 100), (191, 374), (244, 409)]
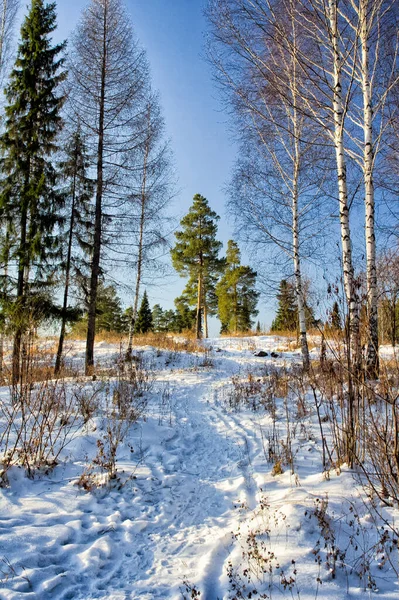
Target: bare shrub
[(39, 424)]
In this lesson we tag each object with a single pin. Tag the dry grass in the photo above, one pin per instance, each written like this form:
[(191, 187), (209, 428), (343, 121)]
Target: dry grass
[(168, 341)]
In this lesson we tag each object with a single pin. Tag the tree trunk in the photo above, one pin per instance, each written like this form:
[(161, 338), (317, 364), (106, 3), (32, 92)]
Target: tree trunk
[(95, 266), (372, 366), (3, 32), (67, 279), (353, 350), (348, 270), (198, 324), (140, 249), (295, 216), (16, 353)]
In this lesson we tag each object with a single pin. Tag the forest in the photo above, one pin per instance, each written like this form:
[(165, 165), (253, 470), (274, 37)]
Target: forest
[(140, 456)]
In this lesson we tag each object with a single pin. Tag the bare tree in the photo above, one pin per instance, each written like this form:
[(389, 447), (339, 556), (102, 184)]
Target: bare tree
[(255, 46), (109, 82), (151, 179)]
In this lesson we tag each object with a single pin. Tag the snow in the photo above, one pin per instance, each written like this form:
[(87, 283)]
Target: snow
[(194, 489)]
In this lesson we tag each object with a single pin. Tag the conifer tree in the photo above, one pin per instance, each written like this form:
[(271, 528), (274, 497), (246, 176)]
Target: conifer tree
[(144, 316), (195, 256), (29, 201), (237, 297), (109, 309), (335, 318), (158, 318), (185, 316), (78, 192), (286, 317)]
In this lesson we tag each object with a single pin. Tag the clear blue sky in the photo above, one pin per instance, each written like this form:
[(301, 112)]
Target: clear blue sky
[(172, 33)]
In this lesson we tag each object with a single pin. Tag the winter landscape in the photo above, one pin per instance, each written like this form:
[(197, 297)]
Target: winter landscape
[(199, 299), (217, 486)]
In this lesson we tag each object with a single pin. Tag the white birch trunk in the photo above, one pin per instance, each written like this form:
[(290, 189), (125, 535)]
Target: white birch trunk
[(295, 215), (347, 263), (368, 162)]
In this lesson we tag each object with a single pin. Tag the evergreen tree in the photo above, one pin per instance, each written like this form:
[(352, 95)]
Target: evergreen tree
[(195, 256), (29, 201), (185, 316), (335, 318), (144, 316), (78, 192), (158, 319), (237, 297), (287, 313), (171, 321), (109, 309)]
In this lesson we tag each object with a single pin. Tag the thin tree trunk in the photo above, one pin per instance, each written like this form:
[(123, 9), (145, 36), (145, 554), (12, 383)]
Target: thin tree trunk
[(95, 267), (16, 353), (198, 324), (5, 293), (205, 319), (372, 295), (140, 249), (353, 350), (295, 216), (3, 32), (67, 280), (348, 271)]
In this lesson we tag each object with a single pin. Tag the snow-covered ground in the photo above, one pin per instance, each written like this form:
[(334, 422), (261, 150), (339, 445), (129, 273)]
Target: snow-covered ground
[(199, 505)]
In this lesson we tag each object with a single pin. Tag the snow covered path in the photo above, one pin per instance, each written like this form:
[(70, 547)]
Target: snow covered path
[(197, 474)]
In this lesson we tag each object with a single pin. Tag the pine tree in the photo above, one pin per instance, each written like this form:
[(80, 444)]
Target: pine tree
[(78, 192), (287, 313), (144, 316), (237, 297), (195, 256), (29, 201)]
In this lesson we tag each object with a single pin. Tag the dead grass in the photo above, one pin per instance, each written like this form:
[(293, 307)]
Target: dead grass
[(168, 341)]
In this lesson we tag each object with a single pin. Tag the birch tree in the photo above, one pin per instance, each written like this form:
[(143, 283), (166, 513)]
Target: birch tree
[(374, 63), (254, 49)]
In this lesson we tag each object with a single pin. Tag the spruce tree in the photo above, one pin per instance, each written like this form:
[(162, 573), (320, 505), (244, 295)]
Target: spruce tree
[(29, 200), (158, 318), (335, 318), (109, 309), (195, 256), (78, 193), (237, 297), (144, 316), (287, 312)]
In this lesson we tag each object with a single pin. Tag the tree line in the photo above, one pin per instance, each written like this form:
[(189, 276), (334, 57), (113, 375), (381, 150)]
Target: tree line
[(86, 174)]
